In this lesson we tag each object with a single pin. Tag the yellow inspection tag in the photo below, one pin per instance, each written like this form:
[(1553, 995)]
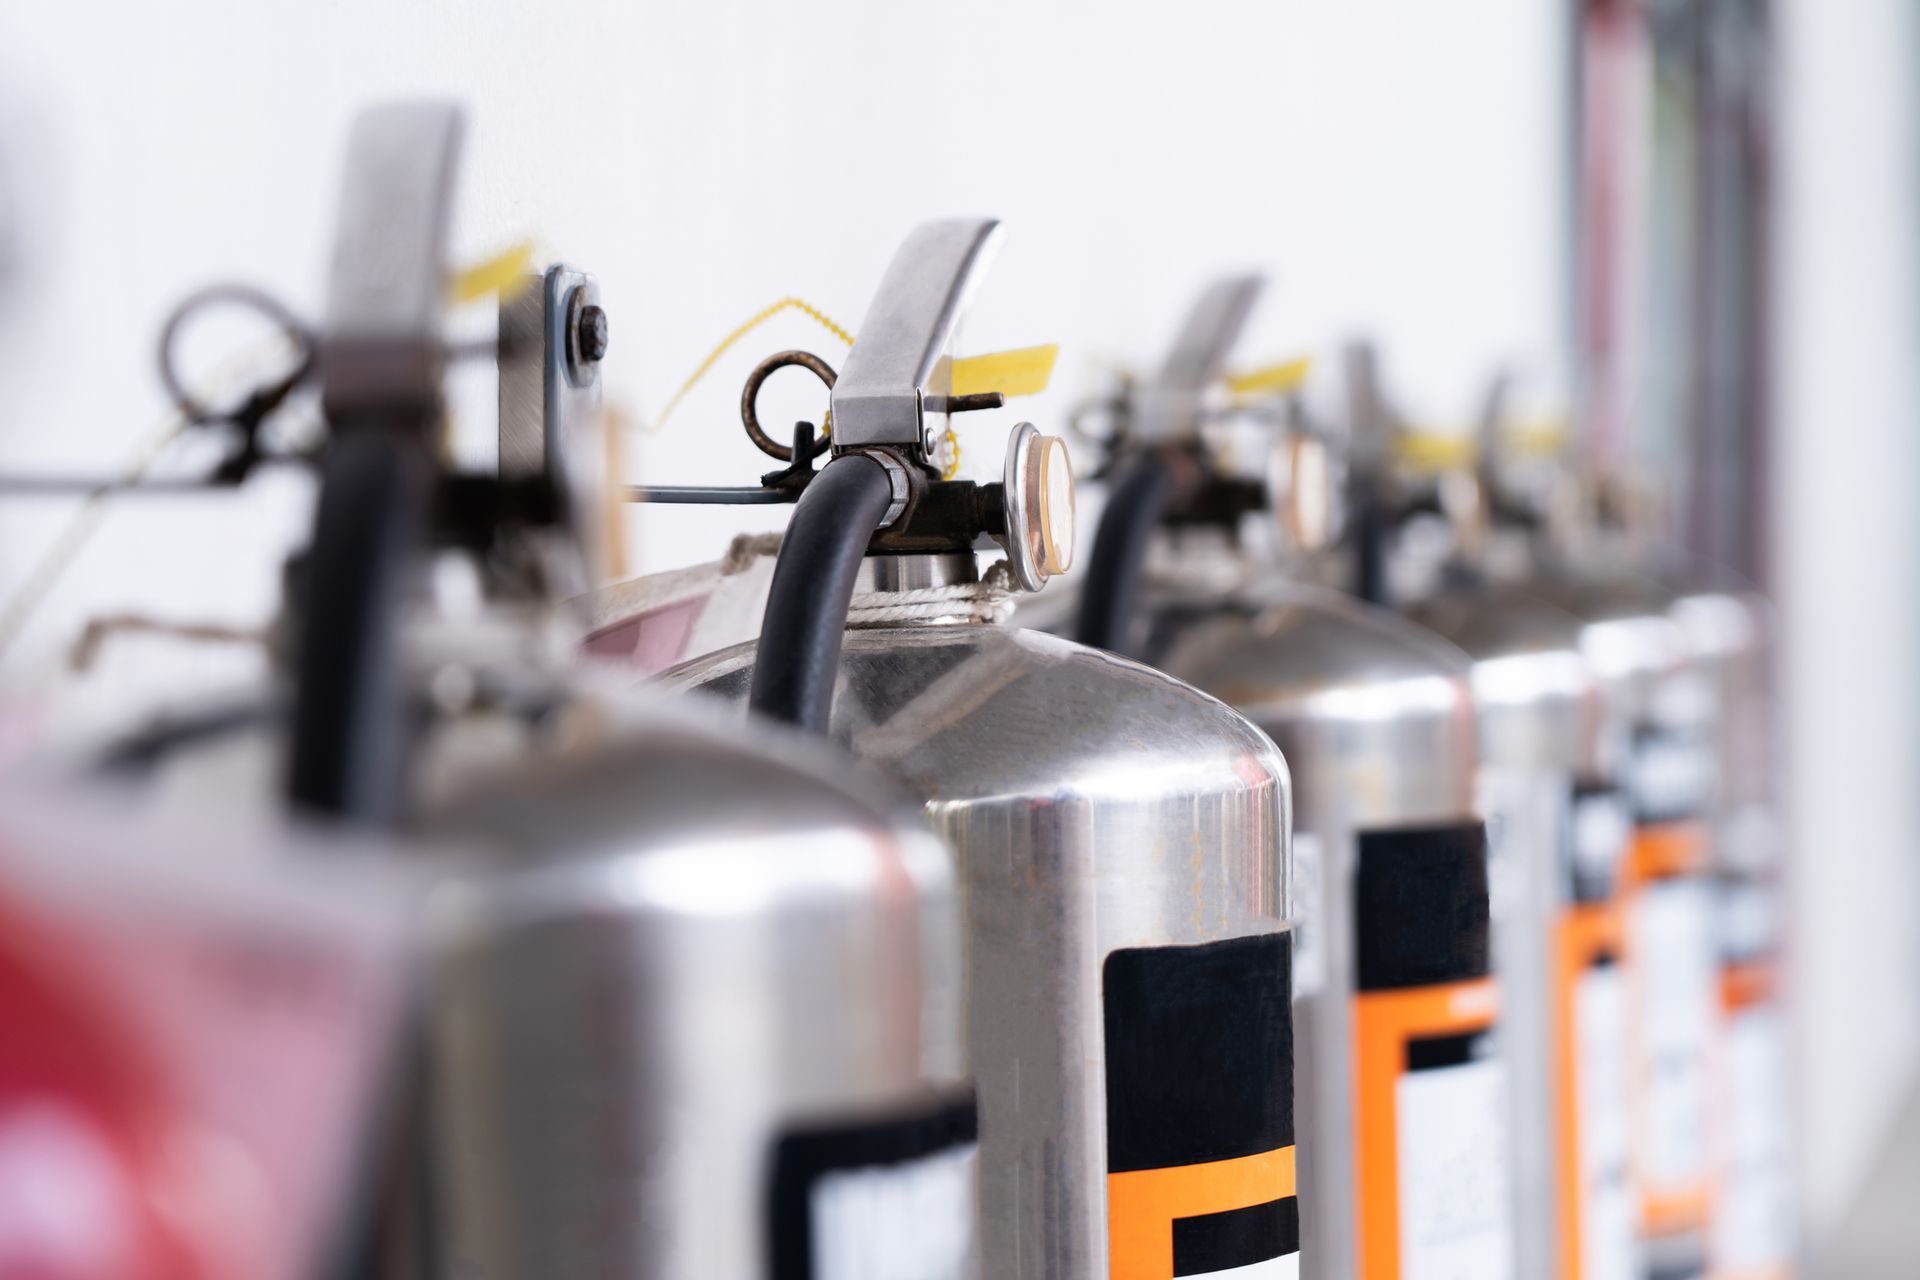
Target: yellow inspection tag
[(1433, 452), (1024, 371), (1269, 379), (504, 273), (1542, 438)]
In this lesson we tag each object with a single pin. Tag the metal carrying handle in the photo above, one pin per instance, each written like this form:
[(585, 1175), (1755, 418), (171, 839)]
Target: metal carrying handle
[(1170, 402), (380, 382), (896, 388), (386, 289)]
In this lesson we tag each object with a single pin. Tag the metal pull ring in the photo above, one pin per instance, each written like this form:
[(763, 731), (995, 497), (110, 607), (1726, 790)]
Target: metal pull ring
[(262, 400), (749, 416)]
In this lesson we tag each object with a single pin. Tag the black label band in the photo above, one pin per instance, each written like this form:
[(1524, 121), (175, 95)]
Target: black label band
[(1218, 1242), (1420, 907), (912, 1147), (1434, 1053), (1199, 1052)]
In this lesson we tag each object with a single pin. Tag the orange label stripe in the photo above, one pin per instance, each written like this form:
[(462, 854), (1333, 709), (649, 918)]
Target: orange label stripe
[(1584, 935), (1143, 1203), (1743, 986), (1664, 849), (1383, 1022)]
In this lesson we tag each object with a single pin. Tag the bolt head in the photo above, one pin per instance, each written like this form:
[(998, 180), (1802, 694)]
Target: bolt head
[(591, 334)]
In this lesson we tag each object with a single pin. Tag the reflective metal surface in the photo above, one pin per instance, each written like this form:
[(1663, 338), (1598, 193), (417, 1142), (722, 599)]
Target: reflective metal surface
[(676, 949), (1037, 492), (1169, 405), (1542, 740), (658, 945), (1376, 719), (390, 248), (1754, 1226), (1663, 705), (1094, 805), (894, 387), (1726, 629), (549, 402)]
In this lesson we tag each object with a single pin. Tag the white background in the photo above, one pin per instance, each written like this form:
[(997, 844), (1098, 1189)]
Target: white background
[(1393, 163)]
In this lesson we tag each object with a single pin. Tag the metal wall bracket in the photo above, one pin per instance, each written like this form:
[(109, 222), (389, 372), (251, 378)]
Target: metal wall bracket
[(552, 336)]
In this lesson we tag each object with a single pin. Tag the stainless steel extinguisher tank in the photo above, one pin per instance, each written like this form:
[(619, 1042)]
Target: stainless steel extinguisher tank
[(1551, 761), (1663, 703), (1403, 1111), (693, 995), (1548, 770), (1121, 838), (1753, 1230)]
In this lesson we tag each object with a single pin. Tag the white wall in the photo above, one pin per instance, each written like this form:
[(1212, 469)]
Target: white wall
[(1849, 406), (1389, 160)]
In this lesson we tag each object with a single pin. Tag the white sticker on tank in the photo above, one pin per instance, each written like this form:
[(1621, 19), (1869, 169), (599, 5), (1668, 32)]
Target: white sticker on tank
[(1672, 775), (1455, 1184), (1671, 939), (1601, 828), (1309, 908), (1754, 1223), (905, 1221), (1605, 1125)]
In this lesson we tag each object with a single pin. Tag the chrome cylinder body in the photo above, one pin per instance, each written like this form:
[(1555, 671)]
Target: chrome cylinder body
[(693, 1000), (1663, 703), (1558, 828), (1122, 848), (1402, 1095), (1753, 1229)]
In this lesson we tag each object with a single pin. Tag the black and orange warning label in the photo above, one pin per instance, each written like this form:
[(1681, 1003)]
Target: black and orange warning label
[(1200, 1146), (1430, 1095)]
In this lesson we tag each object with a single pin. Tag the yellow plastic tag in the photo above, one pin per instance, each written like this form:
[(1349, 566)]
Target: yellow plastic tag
[(504, 273), (1433, 451), (1542, 438), (747, 326), (1024, 371), (1288, 375)]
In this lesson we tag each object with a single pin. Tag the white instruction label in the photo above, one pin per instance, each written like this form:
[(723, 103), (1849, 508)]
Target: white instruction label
[(1599, 830), (1753, 1217), (905, 1221), (1671, 940), (1309, 909), (1604, 1123), (1455, 1180)]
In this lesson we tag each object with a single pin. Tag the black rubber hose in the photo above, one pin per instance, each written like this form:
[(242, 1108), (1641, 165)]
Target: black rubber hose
[(1370, 535), (1110, 599), (812, 586), (350, 712)]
